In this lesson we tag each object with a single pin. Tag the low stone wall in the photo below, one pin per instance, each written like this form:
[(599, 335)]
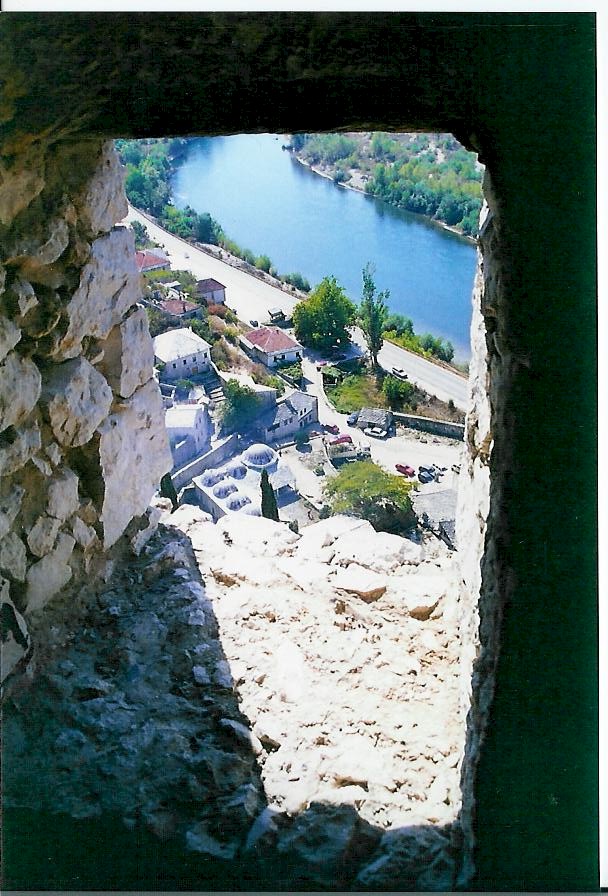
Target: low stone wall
[(427, 424), (82, 437), (212, 458)]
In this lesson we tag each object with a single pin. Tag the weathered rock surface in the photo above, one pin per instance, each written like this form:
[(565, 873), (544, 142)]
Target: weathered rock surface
[(78, 400), (49, 575), (134, 454), (128, 354), (19, 389)]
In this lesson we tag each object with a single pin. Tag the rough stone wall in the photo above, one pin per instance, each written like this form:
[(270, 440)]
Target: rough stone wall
[(82, 440)]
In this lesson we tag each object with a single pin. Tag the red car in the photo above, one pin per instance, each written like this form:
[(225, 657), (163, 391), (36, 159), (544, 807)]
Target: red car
[(331, 427), (405, 469), (341, 440)]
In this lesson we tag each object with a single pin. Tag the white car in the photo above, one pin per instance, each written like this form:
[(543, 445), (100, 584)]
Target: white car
[(375, 431), (399, 372)]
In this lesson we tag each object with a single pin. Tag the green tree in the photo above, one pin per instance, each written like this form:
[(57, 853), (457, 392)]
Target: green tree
[(142, 239), (365, 490), (263, 263), (372, 314), (269, 501), (324, 317), (240, 408), (397, 392)]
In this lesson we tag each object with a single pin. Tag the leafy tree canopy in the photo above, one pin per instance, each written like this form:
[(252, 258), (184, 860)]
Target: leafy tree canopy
[(365, 490), (324, 317), (241, 406)]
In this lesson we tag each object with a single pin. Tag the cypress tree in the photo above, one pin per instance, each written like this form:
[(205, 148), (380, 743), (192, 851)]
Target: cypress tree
[(269, 502)]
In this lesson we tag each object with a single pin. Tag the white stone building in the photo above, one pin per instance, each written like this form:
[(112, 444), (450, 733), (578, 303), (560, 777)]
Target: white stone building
[(189, 428), (182, 353)]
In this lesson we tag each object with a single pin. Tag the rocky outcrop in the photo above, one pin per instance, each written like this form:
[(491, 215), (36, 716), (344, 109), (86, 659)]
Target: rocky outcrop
[(82, 442), (250, 718)]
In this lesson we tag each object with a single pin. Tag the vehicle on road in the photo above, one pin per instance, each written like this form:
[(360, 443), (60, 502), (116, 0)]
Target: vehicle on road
[(352, 418), (427, 469), (186, 255), (341, 440), (254, 323), (399, 372), (456, 468), (425, 477), (321, 364), (405, 469), (376, 432), (331, 427)]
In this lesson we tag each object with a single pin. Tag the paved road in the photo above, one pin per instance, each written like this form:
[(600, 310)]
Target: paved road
[(431, 377), (249, 297), (252, 298)]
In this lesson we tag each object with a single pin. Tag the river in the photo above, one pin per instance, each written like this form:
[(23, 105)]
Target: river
[(269, 203)]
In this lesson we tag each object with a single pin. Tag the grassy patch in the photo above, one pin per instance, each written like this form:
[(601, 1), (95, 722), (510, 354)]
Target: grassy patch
[(356, 392)]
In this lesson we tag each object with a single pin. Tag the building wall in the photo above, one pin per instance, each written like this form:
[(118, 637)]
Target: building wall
[(184, 367)]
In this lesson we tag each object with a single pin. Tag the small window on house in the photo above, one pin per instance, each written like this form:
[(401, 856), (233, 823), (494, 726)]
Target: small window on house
[(184, 361), (174, 366)]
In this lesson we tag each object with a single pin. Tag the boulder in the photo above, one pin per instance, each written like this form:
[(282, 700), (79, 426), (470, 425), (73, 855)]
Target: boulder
[(260, 536), (63, 498), (322, 534), (48, 576), (379, 551), (134, 454), (15, 637), (128, 354), (20, 384), (103, 201), (10, 334), (13, 561), (43, 535), (10, 504), (22, 448), (410, 859), (109, 286), (355, 579), (77, 398)]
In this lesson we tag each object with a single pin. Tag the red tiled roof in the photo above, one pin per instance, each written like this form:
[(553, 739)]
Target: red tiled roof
[(209, 285), (272, 339), (145, 261), (178, 306)]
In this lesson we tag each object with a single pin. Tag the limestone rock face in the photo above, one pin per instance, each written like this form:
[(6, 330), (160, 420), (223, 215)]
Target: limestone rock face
[(10, 503), (103, 201), (128, 354), (23, 447), (20, 384), (15, 637), (10, 334), (78, 400), (109, 286), (42, 536), (63, 495), (365, 583), (13, 557), (134, 454), (382, 552), (18, 187), (49, 575)]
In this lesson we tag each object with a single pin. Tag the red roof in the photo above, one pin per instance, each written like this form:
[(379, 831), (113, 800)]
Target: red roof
[(209, 285), (147, 261), (178, 306), (272, 339)]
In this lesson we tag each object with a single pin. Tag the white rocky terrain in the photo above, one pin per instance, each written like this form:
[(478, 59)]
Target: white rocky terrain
[(260, 696)]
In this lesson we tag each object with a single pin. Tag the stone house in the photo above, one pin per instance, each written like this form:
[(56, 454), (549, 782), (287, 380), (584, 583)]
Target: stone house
[(182, 352), (291, 414), (211, 291), (147, 260), (180, 309), (272, 346), (189, 428)]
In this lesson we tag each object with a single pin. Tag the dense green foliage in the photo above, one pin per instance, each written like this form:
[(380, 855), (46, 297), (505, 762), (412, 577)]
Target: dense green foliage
[(240, 408), (373, 311), (430, 174), (323, 319), (426, 345), (141, 236), (269, 501), (397, 392), (365, 490), (355, 392)]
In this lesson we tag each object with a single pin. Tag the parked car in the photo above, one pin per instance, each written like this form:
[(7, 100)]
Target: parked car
[(405, 469), (331, 427), (352, 418), (321, 364), (430, 470), (375, 431), (424, 477), (341, 440), (254, 323), (399, 372), (456, 468)]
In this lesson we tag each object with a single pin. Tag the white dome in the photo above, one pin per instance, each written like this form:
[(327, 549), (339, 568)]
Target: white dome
[(238, 501), (224, 489), (259, 456), (236, 470), (211, 477)]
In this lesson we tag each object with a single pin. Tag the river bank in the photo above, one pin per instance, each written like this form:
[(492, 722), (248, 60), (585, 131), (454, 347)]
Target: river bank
[(327, 174)]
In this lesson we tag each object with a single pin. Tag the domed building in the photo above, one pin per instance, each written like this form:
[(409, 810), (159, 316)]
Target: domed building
[(235, 486)]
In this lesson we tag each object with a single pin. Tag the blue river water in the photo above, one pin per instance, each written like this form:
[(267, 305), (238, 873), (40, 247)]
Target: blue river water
[(269, 203)]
